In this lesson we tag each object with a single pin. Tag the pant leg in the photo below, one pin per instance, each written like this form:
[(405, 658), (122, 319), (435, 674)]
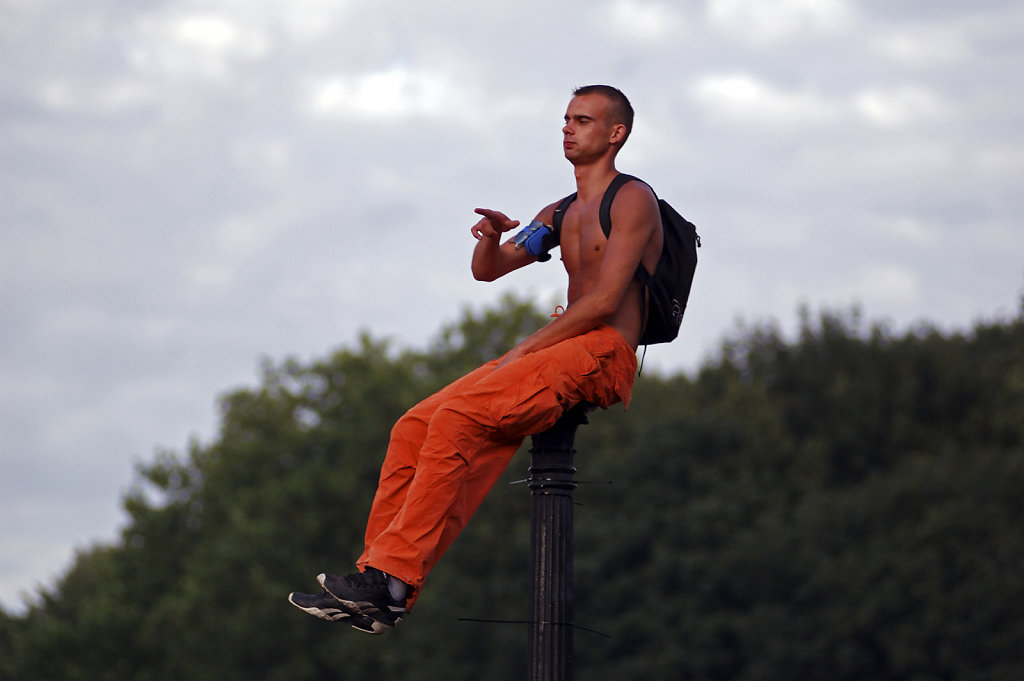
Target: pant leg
[(402, 457), (475, 431)]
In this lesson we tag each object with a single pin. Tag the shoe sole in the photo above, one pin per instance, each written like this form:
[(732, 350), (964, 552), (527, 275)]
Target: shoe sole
[(359, 621), (380, 620), (330, 614)]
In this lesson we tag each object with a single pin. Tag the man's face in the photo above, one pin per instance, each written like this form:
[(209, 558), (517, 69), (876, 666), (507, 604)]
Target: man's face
[(587, 133)]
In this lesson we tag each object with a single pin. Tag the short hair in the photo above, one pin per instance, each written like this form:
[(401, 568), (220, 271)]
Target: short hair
[(621, 110)]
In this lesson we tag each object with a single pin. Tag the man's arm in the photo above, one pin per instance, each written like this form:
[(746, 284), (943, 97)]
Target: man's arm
[(491, 258)]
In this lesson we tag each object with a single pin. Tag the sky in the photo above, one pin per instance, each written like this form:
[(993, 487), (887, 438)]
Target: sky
[(191, 187)]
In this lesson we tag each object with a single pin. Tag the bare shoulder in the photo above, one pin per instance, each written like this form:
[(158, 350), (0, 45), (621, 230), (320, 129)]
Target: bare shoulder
[(636, 207)]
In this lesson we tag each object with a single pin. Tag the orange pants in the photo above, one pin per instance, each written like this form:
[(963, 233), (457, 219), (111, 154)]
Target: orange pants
[(448, 451)]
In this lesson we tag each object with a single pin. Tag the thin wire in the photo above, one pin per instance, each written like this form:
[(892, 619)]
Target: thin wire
[(564, 624)]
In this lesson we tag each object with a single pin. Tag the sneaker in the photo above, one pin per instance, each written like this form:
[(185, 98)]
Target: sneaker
[(366, 593), (326, 607)]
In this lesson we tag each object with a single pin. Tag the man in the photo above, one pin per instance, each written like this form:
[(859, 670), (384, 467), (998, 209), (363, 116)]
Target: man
[(447, 452)]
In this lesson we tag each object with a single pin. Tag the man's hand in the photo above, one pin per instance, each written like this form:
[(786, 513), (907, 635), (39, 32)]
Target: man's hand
[(510, 356), (493, 224)]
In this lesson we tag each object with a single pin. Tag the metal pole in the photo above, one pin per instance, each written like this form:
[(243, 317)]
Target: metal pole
[(552, 483)]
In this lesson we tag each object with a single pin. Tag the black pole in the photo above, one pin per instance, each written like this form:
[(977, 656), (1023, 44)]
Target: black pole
[(552, 483)]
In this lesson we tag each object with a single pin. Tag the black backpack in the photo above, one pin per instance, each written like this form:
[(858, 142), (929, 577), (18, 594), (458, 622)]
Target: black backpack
[(668, 289)]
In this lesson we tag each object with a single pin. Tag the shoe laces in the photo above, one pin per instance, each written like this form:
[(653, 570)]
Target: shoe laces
[(371, 578)]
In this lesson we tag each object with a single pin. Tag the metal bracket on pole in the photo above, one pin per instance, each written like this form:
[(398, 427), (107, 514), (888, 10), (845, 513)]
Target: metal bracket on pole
[(552, 484)]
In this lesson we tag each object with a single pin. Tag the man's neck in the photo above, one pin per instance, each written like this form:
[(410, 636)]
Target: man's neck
[(592, 179)]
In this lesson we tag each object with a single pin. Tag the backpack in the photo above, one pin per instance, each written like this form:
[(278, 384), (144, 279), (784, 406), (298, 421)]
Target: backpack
[(667, 290)]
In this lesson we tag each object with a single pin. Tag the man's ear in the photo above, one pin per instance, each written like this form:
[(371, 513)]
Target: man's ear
[(618, 133)]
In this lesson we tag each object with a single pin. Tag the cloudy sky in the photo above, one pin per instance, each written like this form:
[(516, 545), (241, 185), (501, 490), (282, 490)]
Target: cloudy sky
[(189, 186)]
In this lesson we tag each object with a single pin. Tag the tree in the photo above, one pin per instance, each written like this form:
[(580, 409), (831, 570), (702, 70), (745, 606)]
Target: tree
[(840, 506)]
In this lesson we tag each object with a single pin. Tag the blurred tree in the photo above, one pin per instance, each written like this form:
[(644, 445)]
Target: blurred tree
[(841, 506)]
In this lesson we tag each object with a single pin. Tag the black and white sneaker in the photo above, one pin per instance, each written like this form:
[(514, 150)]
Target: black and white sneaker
[(367, 594), (326, 607)]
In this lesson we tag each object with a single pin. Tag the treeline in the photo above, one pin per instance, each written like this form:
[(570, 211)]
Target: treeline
[(842, 506)]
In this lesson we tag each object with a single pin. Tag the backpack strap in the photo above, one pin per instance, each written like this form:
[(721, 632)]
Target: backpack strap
[(606, 201), (556, 223), (606, 216), (642, 275)]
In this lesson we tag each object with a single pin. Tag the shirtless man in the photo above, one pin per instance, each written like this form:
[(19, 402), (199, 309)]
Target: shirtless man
[(447, 452)]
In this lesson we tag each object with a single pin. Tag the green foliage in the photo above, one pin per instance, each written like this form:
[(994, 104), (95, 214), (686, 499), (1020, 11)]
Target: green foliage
[(842, 506)]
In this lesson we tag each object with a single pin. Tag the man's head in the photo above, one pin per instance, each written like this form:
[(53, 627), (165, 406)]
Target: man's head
[(620, 111), (597, 122)]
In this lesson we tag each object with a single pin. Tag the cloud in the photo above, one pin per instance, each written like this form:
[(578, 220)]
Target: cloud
[(207, 45), (886, 284), (398, 92), (903, 107), (63, 95), (645, 22), (905, 228), (768, 22), (997, 162), (909, 159), (191, 186), (743, 99), (917, 47)]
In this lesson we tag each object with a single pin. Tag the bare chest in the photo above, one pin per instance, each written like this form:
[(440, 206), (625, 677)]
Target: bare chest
[(583, 243)]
